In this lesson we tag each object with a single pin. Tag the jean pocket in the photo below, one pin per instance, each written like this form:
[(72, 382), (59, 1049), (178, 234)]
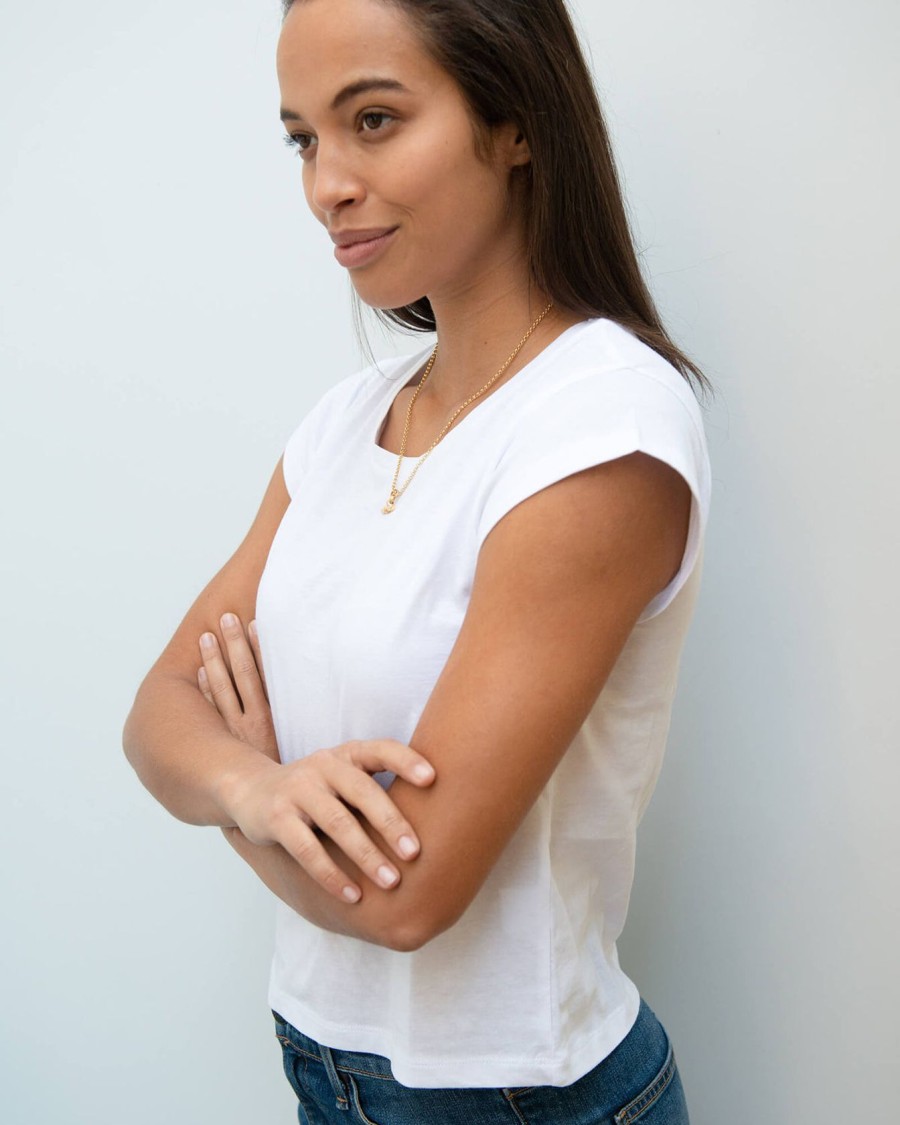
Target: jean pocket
[(661, 1102), (353, 1096)]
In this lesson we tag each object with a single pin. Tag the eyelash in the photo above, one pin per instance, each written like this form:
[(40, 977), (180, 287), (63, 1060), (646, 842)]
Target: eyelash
[(293, 140)]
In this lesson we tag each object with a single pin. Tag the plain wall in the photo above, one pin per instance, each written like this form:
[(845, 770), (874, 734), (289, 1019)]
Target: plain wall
[(170, 311)]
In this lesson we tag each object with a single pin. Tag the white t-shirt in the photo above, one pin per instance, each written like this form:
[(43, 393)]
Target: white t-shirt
[(357, 613)]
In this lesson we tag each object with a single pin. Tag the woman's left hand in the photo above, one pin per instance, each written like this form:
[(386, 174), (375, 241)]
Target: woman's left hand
[(236, 687)]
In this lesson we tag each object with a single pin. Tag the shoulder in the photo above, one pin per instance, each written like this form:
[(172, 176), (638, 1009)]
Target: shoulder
[(602, 363), (578, 423), (600, 395)]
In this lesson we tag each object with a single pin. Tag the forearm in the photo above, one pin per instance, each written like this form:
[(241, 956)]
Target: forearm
[(381, 917), (183, 752)]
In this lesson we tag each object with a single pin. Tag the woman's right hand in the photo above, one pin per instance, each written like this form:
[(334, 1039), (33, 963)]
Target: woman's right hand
[(271, 803)]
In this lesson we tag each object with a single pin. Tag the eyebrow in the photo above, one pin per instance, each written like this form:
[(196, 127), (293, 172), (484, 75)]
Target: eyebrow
[(362, 86)]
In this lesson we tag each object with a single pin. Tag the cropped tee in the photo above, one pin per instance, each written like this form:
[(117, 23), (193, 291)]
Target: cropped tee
[(358, 612)]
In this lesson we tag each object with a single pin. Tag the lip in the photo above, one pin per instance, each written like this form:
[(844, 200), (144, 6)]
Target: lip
[(359, 247)]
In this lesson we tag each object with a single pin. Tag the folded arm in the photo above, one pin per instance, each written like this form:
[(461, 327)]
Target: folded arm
[(181, 749), (560, 583), (219, 765)]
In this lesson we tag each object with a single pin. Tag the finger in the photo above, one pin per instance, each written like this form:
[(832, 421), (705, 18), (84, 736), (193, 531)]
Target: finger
[(364, 794), (243, 663), (340, 825), (257, 653), (373, 755), (221, 687), (302, 844), (203, 684)]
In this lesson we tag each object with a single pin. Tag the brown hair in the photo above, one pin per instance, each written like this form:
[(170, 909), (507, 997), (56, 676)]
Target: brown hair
[(520, 60)]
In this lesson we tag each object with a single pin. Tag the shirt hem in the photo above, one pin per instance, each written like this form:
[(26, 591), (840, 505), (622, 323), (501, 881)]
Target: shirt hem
[(571, 1062)]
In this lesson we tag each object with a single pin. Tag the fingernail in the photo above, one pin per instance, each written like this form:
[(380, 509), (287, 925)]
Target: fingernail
[(423, 772), (228, 620), (252, 627), (407, 847), (352, 894), (208, 640), (386, 876)]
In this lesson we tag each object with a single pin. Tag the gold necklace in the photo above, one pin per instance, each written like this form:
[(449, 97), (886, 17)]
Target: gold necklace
[(396, 492)]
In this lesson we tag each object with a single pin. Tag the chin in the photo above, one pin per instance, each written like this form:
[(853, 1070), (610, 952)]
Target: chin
[(383, 296)]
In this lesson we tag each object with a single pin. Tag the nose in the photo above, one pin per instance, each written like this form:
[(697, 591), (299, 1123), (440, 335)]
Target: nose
[(333, 183)]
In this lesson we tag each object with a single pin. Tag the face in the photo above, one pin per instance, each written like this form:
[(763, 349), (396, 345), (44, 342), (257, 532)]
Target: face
[(388, 152)]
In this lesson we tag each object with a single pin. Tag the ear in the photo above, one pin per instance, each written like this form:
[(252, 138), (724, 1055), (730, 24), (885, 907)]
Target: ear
[(522, 152), (513, 145)]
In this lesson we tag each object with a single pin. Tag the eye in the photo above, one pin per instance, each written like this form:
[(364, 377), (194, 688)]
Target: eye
[(373, 120), (302, 142)]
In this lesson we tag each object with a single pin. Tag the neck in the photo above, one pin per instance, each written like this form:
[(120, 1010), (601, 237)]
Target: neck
[(478, 329)]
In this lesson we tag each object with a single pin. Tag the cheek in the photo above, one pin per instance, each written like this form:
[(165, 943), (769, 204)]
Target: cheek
[(468, 214), (448, 192), (434, 164)]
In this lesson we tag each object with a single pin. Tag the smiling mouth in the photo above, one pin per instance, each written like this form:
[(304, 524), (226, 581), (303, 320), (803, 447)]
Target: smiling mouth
[(362, 251)]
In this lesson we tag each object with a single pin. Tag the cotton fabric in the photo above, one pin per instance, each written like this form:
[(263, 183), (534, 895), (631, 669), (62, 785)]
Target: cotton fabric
[(358, 612), (637, 1082)]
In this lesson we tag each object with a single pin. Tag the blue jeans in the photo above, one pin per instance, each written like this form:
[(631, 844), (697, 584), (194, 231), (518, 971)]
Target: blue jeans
[(638, 1082)]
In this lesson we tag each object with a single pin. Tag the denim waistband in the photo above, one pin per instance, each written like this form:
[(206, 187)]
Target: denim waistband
[(356, 1062), (376, 1066)]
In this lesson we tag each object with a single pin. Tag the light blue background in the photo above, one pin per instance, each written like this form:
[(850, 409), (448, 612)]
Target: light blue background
[(170, 311)]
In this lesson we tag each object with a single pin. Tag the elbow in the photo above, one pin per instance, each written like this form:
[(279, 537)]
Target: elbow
[(131, 732), (415, 925), (427, 903), (136, 727), (132, 739), (405, 939), (128, 740)]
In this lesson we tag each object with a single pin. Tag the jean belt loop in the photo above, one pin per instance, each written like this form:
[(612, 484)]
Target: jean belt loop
[(334, 1078)]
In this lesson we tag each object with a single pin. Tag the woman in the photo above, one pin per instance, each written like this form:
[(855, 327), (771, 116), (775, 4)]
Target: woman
[(475, 569)]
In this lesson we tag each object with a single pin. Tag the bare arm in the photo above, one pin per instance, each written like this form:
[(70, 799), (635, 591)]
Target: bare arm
[(560, 583), (180, 747), (207, 771)]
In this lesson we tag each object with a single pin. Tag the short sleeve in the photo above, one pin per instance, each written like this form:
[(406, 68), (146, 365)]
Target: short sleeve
[(298, 452), (302, 444), (594, 417)]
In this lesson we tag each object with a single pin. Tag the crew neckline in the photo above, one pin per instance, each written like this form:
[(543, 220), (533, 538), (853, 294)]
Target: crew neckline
[(407, 370)]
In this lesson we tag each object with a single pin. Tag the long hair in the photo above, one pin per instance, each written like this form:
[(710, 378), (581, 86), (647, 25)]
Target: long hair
[(521, 61)]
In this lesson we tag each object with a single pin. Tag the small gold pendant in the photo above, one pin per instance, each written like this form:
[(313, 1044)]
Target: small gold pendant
[(392, 502)]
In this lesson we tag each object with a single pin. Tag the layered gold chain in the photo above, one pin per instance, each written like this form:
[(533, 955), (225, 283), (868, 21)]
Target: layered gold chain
[(396, 492)]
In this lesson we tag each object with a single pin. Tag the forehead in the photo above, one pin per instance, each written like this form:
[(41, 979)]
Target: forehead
[(325, 44)]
